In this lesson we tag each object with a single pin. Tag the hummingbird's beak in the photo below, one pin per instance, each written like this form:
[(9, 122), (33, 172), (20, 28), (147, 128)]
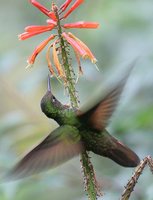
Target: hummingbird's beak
[(49, 84)]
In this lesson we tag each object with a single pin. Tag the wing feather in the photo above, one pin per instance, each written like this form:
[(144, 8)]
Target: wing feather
[(97, 117), (57, 148)]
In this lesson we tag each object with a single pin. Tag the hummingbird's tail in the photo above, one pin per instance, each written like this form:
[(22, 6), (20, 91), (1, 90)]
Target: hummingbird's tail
[(123, 155), (118, 152)]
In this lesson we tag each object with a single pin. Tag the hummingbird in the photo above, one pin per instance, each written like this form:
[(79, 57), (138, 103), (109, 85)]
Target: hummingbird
[(78, 131)]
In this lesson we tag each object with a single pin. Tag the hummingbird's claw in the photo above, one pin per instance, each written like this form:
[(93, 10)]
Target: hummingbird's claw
[(49, 84)]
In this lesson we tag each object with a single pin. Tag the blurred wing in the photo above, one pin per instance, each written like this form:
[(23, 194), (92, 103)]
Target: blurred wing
[(98, 116), (58, 147)]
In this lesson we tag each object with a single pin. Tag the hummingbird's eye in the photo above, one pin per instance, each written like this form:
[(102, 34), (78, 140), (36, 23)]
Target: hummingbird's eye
[(53, 99)]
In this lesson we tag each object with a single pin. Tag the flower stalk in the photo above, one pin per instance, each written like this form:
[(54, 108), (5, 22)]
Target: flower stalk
[(69, 80), (90, 183)]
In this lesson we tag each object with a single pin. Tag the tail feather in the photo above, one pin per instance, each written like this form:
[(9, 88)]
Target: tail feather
[(123, 155), (108, 146)]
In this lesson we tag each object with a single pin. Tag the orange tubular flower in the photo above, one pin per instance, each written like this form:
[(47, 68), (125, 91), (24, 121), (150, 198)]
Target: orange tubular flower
[(78, 61), (80, 49), (34, 30), (50, 66), (75, 45), (27, 35), (65, 5), (43, 9), (56, 61), (82, 24), (38, 49), (73, 7), (84, 46)]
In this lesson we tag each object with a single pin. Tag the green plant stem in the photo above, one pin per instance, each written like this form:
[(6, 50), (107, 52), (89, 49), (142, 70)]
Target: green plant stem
[(89, 175), (69, 80), (91, 185)]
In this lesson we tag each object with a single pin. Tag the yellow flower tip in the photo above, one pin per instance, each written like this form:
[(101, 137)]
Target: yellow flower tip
[(19, 37), (96, 67), (29, 66), (98, 25), (94, 60), (85, 56)]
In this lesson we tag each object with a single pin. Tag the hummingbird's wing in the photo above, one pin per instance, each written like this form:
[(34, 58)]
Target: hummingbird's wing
[(58, 147), (98, 115)]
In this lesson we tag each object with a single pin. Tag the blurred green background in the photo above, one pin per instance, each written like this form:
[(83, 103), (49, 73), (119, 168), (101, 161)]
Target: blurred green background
[(126, 32)]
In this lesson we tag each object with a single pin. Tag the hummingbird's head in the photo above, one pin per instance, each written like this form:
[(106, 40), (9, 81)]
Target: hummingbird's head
[(50, 106)]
